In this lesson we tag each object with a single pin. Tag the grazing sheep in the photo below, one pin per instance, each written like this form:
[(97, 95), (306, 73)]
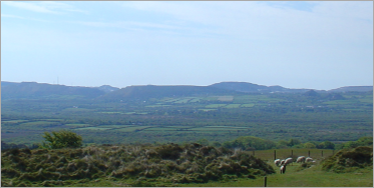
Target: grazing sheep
[(300, 159), (288, 161), (282, 162), (283, 169), (308, 159), (277, 162)]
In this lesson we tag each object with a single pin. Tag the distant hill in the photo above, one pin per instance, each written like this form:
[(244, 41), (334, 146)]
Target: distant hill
[(335, 96), (352, 88), (152, 91), (32, 90), (107, 88), (311, 93), (11, 90), (253, 88)]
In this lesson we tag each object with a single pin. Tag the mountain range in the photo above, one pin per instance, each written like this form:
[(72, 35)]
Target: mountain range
[(34, 90)]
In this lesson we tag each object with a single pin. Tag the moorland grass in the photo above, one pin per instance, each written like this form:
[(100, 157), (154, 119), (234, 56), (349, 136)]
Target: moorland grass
[(142, 165)]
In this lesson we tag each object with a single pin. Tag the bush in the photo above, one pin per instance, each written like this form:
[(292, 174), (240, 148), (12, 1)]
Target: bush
[(348, 160), (309, 145), (62, 139)]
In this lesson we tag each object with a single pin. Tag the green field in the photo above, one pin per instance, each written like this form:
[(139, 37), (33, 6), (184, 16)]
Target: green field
[(131, 129), (37, 123), (78, 125), (157, 105), (111, 112), (15, 121), (225, 98), (294, 176), (93, 128), (277, 116), (247, 105), (233, 106), (115, 126), (311, 177), (215, 105)]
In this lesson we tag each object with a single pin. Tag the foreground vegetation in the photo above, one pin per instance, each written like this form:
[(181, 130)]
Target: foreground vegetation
[(61, 161), (163, 165), (191, 165)]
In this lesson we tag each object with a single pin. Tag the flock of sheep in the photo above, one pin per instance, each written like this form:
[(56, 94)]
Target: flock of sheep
[(285, 162)]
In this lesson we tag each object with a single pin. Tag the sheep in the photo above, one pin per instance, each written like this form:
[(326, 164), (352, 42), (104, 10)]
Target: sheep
[(277, 162), (282, 162), (308, 159), (288, 161), (300, 159), (283, 169)]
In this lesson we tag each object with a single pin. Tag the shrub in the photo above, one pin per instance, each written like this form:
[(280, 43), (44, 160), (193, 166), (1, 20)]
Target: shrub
[(348, 160), (62, 139), (309, 145)]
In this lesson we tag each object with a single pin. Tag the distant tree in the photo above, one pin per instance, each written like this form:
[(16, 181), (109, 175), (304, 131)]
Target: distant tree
[(250, 143), (326, 145), (281, 144), (363, 141), (61, 139), (293, 142), (309, 145)]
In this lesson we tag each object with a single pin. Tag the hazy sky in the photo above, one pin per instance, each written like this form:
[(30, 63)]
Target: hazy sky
[(316, 45)]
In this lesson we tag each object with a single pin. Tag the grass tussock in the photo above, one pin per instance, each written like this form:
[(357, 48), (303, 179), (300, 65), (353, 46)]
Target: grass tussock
[(169, 163), (349, 160)]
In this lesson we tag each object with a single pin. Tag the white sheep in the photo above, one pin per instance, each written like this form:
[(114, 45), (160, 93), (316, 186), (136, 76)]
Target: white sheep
[(277, 162), (308, 159), (282, 162), (300, 159), (288, 161), (283, 169)]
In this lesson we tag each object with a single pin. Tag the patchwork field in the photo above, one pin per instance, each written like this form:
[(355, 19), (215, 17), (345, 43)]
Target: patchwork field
[(271, 116)]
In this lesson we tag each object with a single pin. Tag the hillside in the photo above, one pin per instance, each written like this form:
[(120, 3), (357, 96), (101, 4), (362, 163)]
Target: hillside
[(253, 88), (152, 91), (32, 90), (353, 88)]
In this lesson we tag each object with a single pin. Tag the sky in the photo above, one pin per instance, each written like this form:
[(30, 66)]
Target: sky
[(295, 44)]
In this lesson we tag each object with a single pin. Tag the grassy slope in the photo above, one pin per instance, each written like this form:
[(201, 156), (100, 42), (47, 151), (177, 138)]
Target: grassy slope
[(312, 177)]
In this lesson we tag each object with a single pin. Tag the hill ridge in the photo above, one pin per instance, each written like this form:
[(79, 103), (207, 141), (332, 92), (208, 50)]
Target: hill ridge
[(106, 92)]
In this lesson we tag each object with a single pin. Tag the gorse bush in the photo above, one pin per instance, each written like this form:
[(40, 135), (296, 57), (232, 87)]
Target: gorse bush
[(349, 160), (61, 139), (168, 164)]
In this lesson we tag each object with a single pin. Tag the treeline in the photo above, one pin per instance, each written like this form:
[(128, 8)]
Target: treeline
[(252, 143), (255, 143), (6, 146)]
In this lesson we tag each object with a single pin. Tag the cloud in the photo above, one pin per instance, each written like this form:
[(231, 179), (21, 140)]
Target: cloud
[(11, 16), (20, 17), (29, 6), (251, 20), (44, 7), (345, 9), (168, 28), (127, 24)]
